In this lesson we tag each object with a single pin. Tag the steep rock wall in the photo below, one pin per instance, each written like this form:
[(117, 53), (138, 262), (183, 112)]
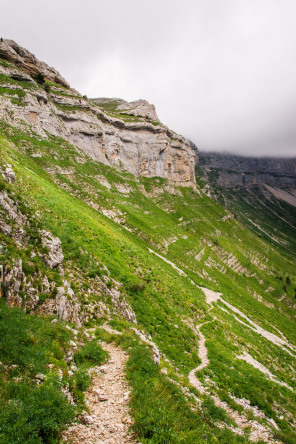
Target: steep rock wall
[(137, 145)]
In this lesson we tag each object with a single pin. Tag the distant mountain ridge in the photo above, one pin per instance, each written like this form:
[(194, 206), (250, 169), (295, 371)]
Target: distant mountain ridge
[(234, 170), (261, 192)]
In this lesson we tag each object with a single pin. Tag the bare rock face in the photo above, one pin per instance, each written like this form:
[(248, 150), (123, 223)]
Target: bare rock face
[(136, 147), (140, 108), (131, 139), (22, 58), (65, 305), (55, 256)]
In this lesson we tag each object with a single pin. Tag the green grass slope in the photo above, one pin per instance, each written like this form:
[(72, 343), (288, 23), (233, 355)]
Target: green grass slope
[(111, 224)]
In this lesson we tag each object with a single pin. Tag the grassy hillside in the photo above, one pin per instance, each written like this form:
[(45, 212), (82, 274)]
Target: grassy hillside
[(159, 246)]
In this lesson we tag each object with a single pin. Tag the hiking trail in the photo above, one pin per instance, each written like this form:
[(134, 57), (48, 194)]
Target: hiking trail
[(108, 420)]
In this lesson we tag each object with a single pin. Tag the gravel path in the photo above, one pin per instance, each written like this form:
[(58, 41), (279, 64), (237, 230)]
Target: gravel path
[(108, 420)]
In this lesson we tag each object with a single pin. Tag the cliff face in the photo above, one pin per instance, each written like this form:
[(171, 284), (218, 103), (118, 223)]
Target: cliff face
[(127, 136), (232, 171)]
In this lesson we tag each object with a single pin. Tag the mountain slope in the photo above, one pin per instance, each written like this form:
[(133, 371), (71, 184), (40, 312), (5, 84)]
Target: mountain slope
[(205, 307), (260, 192)]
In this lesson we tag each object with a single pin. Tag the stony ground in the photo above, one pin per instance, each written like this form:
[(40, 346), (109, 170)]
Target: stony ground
[(108, 420)]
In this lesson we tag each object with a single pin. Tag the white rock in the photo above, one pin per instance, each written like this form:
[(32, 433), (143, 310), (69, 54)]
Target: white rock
[(40, 376)]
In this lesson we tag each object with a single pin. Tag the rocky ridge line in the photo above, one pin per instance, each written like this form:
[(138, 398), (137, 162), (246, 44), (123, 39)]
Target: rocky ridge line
[(232, 170), (136, 145), (140, 108), (26, 61)]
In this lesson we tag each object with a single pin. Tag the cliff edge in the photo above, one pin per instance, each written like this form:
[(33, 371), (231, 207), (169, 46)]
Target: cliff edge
[(127, 136)]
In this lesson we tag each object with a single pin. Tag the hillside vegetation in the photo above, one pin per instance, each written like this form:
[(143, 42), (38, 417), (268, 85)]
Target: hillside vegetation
[(205, 306)]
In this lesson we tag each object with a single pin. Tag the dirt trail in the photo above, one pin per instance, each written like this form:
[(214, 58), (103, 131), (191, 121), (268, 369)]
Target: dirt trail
[(108, 420), (258, 431), (203, 356)]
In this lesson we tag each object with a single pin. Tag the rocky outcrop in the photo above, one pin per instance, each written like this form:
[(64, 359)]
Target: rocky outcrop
[(139, 144), (65, 305), (140, 108), (23, 289), (119, 302), (230, 170), (23, 285), (12, 280), (55, 257), (8, 174), (11, 209), (24, 59)]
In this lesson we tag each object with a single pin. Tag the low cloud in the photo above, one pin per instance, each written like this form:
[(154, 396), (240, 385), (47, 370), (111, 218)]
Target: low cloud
[(221, 72)]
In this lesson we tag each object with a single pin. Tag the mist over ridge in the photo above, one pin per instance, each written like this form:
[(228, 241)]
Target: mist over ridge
[(219, 73)]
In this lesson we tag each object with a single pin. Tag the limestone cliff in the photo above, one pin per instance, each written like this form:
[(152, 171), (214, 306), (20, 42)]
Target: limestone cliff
[(127, 136)]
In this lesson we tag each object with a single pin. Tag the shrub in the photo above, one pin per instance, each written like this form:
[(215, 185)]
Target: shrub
[(3, 186), (91, 354), (82, 380), (40, 78)]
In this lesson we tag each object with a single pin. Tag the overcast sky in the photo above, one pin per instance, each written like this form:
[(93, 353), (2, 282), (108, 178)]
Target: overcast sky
[(220, 72)]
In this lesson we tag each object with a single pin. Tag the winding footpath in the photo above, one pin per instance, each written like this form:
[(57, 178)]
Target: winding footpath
[(203, 356), (258, 431), (108, 420)]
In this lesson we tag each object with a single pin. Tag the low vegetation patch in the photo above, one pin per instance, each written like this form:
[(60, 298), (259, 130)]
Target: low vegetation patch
[(90, 355), (33, 408)]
